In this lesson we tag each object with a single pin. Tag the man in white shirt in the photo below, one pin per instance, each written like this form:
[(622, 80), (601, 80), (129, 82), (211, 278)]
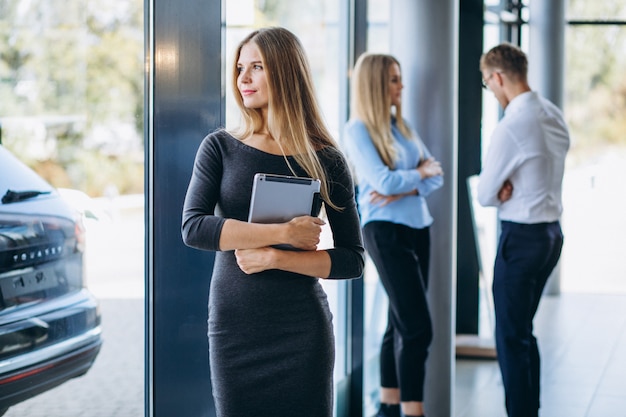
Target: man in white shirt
[(522, 176)]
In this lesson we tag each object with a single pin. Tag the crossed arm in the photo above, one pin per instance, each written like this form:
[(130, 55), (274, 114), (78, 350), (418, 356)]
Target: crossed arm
[(252, 244), (427, 168)]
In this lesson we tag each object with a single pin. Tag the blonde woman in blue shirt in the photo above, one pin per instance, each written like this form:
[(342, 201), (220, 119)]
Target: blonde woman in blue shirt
[(395, 173)]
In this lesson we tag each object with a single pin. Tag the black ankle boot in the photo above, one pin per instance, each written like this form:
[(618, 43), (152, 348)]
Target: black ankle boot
[(388, 410)]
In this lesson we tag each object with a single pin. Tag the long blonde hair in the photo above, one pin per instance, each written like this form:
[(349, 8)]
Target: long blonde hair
[(371, 103), (294, 119)]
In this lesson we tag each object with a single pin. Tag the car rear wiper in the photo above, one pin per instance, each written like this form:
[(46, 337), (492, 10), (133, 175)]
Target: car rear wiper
[(14, 196)]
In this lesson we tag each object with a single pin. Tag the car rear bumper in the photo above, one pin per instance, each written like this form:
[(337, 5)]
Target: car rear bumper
[(59, 341), (46, 368)]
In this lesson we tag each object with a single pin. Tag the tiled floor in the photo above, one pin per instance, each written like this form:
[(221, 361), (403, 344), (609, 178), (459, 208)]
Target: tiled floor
[(582, 340)]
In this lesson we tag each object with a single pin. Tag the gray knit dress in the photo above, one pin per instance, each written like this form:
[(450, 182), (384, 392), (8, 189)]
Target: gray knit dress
[(271, 344)]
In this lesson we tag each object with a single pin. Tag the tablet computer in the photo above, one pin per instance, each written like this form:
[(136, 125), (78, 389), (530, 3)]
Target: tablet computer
[(280, 198)]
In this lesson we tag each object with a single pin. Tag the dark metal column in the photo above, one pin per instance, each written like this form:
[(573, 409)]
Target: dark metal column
[(183, 103), (354, 41), (424, 37), (470, 112)]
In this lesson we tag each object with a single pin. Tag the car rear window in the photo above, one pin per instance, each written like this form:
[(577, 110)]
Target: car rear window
[(15, 175)]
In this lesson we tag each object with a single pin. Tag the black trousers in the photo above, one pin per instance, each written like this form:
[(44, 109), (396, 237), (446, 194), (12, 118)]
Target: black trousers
[(401, 255), (526, 256)]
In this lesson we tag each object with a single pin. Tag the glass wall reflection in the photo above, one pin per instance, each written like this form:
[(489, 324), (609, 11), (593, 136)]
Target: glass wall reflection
[(71, 107)]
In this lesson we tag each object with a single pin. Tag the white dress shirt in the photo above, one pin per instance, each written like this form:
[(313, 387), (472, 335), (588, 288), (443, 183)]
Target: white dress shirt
[(528, 148)]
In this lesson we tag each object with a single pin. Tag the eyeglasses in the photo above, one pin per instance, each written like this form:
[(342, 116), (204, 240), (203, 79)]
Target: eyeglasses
[(485, 81)]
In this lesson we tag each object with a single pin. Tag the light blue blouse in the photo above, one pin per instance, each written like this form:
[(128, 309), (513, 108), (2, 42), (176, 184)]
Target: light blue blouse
[(373, 175)]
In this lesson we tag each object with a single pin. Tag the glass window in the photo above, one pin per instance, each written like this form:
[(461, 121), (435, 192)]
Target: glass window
[(595, 109), (316, 25), (594, 88), (72, 92), (377, 26), (596, 10), (71, 107)]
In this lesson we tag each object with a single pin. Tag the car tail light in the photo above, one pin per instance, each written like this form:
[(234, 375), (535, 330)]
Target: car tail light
[(81, 234)]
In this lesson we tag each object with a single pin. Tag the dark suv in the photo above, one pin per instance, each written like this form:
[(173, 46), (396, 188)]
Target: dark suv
[(49, 323)]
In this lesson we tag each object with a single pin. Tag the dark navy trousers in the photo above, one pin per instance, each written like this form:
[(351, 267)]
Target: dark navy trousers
[(526, 256), (401, 255)]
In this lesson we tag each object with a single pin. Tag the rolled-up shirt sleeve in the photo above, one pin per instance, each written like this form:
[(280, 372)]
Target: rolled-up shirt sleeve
[(501, 161)]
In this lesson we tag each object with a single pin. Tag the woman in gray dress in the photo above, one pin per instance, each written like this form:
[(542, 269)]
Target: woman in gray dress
[(271, 344)]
